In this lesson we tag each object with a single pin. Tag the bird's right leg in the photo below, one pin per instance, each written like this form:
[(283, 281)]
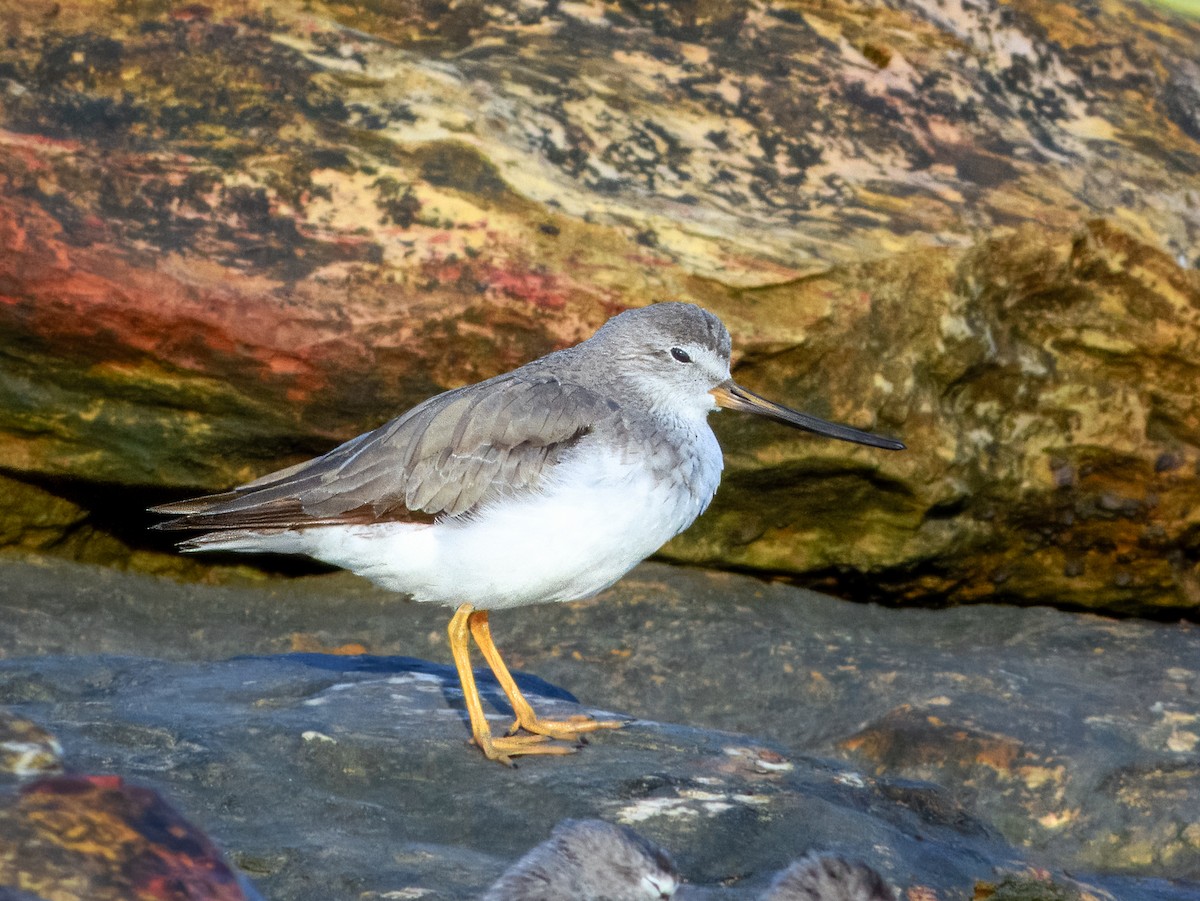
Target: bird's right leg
[(501, 748), (565, 730)]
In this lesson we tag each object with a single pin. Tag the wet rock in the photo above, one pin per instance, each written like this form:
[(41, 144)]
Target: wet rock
[(236, 238), (96, 838), (977, 743), (26, 749), (321, 773), (288, 756), (1062, 729)]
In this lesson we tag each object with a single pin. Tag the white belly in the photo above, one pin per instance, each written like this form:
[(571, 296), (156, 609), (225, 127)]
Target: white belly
[(595, 522)]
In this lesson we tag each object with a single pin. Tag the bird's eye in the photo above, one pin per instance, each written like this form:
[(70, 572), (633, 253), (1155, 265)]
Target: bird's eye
[(680, 354)]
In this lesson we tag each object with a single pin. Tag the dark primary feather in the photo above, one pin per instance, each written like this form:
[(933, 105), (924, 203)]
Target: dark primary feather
[(445, 457)]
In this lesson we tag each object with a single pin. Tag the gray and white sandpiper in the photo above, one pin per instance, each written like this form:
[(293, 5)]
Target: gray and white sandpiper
[(545, 484), (589, 860), (827, 877)]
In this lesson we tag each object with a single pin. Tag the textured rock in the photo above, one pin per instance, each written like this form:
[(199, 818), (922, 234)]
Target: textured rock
[(97, 838), (236, 235), (26, 749), (1037, 470), (283, 757), (317, 794), (1075, 735)]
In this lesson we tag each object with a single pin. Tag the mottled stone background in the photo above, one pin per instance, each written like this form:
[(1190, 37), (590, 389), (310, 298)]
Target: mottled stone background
[(236, 233)]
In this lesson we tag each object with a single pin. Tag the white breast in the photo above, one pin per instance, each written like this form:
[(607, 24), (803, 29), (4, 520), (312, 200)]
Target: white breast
[(595, 520)]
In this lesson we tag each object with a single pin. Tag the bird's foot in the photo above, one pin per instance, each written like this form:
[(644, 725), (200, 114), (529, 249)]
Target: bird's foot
[(503, 748), (570, 729)]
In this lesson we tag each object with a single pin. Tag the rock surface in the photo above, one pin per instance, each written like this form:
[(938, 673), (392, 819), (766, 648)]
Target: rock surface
[(98, 838), (237, 233), (1059, 741), (316, 793)]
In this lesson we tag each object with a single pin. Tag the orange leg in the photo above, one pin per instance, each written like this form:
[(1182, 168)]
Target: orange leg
[(566, 730), (503, 748)]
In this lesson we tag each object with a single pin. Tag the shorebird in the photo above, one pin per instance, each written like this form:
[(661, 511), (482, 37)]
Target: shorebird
[(824, 877), (589, 860), (545, 484)]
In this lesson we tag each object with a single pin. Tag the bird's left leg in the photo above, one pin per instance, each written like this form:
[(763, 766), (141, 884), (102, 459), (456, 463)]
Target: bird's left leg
[(565, 730)]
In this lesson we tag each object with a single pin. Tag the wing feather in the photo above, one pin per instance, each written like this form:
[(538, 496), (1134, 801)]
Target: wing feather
[(444, 457)]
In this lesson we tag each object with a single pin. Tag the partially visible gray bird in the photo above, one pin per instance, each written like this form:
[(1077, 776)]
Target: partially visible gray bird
[(826, 877), (589, 860)]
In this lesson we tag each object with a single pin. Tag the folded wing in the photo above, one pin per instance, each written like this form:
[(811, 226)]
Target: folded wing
[(445, 457)]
